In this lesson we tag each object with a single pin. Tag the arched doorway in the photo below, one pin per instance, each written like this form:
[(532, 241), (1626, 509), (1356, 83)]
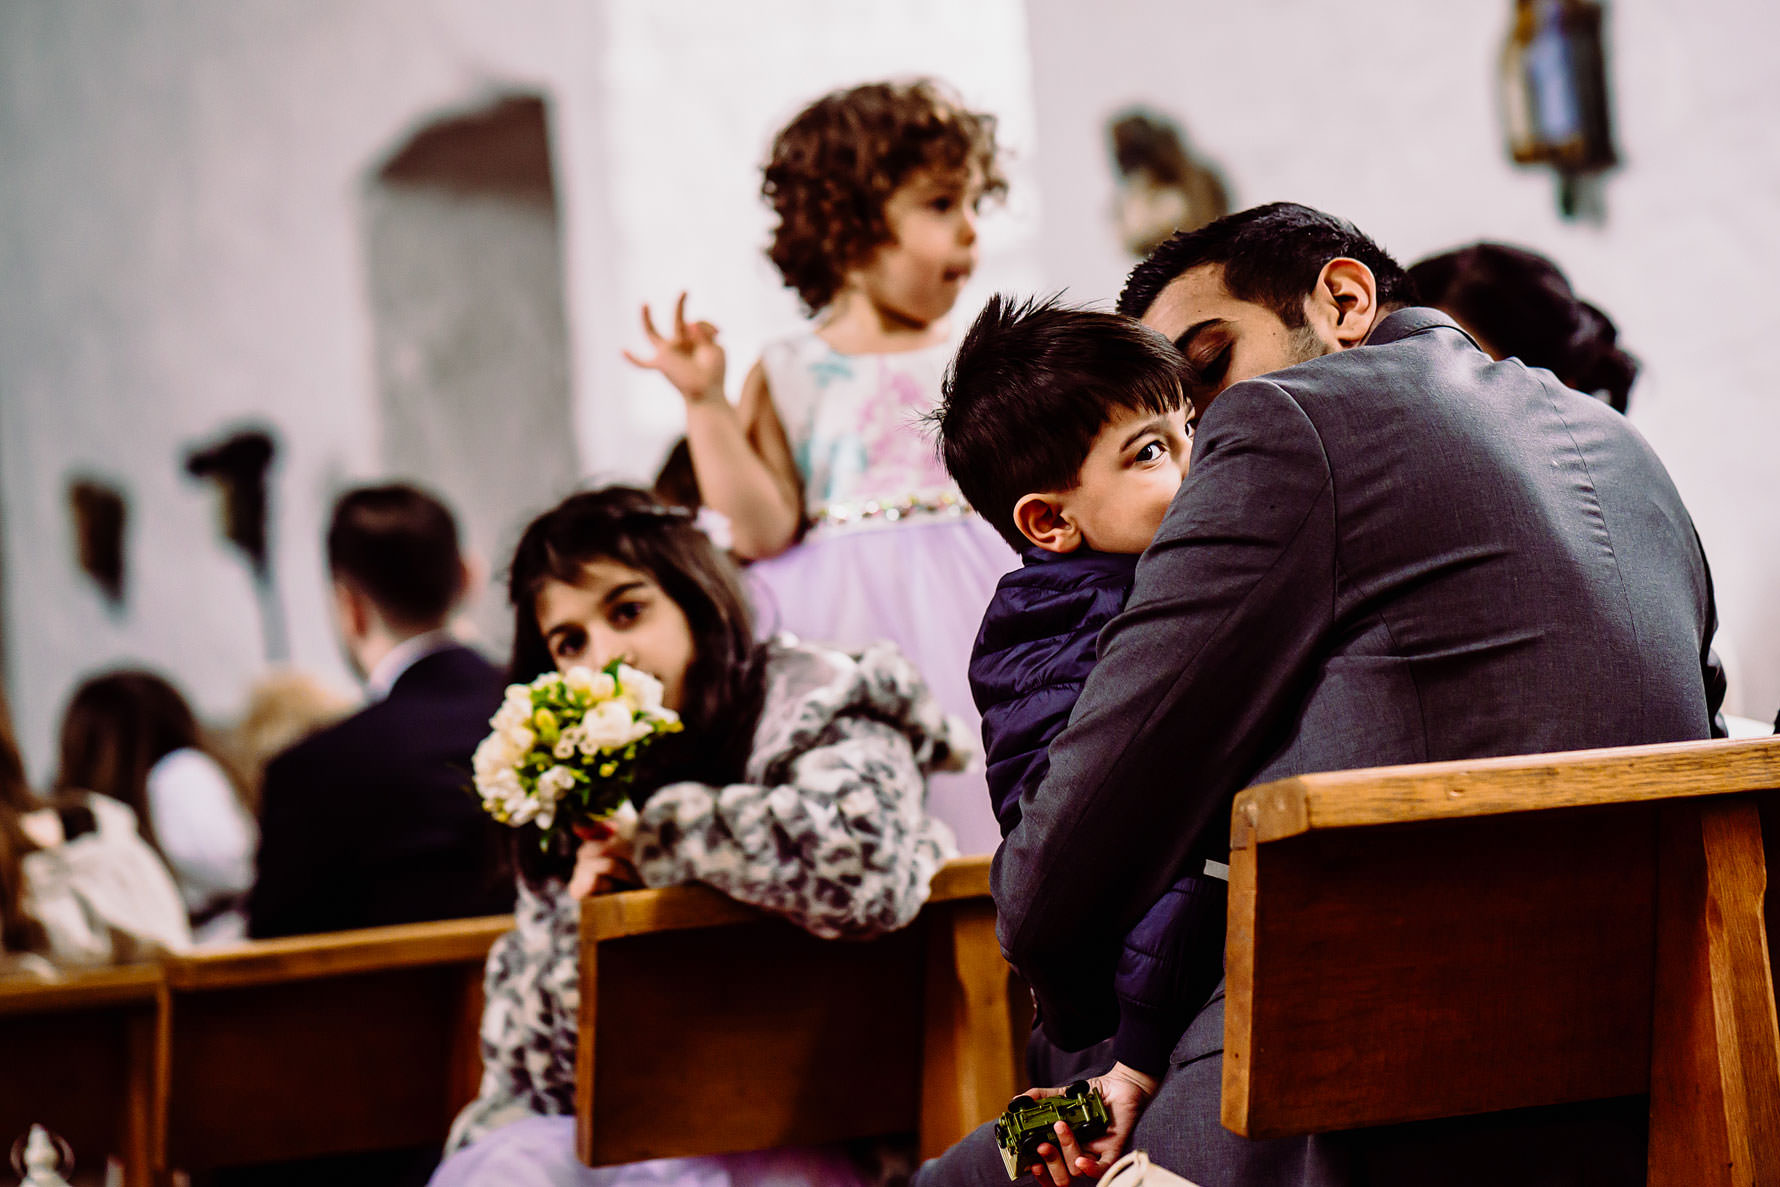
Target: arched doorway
[(466, 289)]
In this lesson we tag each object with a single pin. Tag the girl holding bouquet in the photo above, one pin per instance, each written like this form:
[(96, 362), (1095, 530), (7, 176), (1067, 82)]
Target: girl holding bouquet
[(876, 190), (795, 781)]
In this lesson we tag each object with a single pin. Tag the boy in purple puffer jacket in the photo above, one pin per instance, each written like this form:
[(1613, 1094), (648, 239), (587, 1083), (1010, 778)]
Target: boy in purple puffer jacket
[(1069, 431)]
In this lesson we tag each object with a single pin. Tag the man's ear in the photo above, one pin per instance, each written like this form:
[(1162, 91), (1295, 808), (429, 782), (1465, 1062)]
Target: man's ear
[(1343, 306), (470, 575), (1043, 520), (353, 611)]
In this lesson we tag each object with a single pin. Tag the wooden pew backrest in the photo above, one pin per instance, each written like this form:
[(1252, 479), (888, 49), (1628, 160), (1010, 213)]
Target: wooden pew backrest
[(1456, 938), (710, 1027), (315, 1045), (77, 1056)]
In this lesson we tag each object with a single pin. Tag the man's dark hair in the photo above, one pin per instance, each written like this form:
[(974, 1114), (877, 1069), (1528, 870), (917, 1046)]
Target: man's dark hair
[(1271, 256), (1031, 386), (398, 546)]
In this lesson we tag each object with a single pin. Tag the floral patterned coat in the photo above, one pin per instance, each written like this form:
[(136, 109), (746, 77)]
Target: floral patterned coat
[(830, 830)]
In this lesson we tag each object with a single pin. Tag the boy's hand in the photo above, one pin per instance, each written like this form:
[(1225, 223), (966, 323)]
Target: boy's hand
[(1126, 1091), (691, 359)]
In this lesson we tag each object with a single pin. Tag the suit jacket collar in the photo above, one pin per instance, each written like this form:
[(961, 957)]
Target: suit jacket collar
[(1404, 322), (452, 663)]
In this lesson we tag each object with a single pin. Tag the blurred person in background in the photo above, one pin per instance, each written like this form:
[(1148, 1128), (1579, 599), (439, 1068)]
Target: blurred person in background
[(129, 735), (373, 820), (283, 708), (77, 884), (1515, 303)]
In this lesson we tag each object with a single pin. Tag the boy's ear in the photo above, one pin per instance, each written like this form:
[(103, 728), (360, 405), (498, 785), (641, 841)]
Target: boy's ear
[(1043, 519)]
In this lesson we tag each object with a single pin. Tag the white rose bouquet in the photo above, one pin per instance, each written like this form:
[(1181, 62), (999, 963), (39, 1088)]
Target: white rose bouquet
[(565, 747)]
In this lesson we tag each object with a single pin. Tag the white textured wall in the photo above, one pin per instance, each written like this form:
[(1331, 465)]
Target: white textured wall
[(1386, 113), (182, 246)]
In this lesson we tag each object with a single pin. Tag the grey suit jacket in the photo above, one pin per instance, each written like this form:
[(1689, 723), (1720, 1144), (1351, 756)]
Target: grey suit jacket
[(1399, 553)]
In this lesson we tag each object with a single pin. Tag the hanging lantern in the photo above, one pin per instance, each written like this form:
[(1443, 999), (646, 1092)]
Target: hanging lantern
[(1554, 98)]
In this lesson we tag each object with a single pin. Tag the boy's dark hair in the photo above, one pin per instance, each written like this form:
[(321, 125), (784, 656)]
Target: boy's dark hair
[(1032, 385), (1520, 303), (1271, 256), (835, 165), (397, 544)]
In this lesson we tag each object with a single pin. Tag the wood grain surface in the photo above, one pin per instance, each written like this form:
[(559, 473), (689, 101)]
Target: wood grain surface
[(1396, 974), (1484, 787), (709, 1027)]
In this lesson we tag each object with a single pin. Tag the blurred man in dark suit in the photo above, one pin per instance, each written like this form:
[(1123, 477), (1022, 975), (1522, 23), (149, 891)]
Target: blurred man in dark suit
[(373, 821)]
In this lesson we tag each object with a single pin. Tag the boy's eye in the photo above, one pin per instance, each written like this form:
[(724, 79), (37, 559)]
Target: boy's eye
[(1153, 451)]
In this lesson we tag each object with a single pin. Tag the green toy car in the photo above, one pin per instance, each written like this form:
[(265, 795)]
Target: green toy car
[(1029, 1123)]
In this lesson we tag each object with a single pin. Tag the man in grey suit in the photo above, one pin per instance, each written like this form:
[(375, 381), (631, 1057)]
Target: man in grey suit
[(1388, 549)]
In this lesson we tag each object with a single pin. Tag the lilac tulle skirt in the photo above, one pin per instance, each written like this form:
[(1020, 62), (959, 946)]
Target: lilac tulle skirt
[(540, 1152), (922, 585)]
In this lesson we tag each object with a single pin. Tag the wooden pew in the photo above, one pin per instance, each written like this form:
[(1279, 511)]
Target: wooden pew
[(710, 1027), (316, 1045), (1456, 938), (77, 1054)]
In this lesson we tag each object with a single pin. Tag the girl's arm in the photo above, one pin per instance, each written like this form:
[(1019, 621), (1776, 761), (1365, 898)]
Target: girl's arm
[(842, 847), (743, 465)]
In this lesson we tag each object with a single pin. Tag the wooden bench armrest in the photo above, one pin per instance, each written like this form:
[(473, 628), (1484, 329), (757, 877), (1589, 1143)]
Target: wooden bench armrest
[(79, 989), (1493, 786), (674, 908), (332, 954)]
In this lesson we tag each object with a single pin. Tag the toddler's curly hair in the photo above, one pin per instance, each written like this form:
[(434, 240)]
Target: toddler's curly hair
[(834, 167)]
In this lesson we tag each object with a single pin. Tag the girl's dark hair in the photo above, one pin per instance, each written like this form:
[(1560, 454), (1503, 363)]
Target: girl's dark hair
[(1519, 303), (18, 931), (116, 728), (724, 683), (835, 165)]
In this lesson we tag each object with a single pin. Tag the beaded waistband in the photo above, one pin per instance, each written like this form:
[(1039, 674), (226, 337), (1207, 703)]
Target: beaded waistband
[(882, 512)]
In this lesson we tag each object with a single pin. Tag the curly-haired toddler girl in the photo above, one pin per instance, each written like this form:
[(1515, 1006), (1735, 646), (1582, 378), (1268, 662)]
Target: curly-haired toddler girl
[(877, 190)]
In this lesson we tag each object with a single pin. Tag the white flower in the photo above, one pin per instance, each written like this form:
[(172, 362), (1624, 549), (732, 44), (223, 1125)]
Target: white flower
[(553, 783), (607, 726), (603, 687), (504, 798), (516, 708), (520, 739), (567, 743), (640, 689), (492, 756), (579, 678)]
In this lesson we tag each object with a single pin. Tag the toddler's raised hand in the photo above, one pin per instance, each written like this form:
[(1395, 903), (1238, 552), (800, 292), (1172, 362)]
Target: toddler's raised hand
[(691, 358)]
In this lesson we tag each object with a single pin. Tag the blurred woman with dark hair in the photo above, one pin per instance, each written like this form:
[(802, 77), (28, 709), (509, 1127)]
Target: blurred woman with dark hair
[(1517, 304), (77, 885), (130, 735), (19, 932)]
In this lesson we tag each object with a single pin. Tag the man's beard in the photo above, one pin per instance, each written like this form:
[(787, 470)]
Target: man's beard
[(1304, 345)]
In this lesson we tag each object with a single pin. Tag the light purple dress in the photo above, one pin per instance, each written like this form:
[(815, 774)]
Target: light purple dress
[(540, 1152), (894, 552)]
